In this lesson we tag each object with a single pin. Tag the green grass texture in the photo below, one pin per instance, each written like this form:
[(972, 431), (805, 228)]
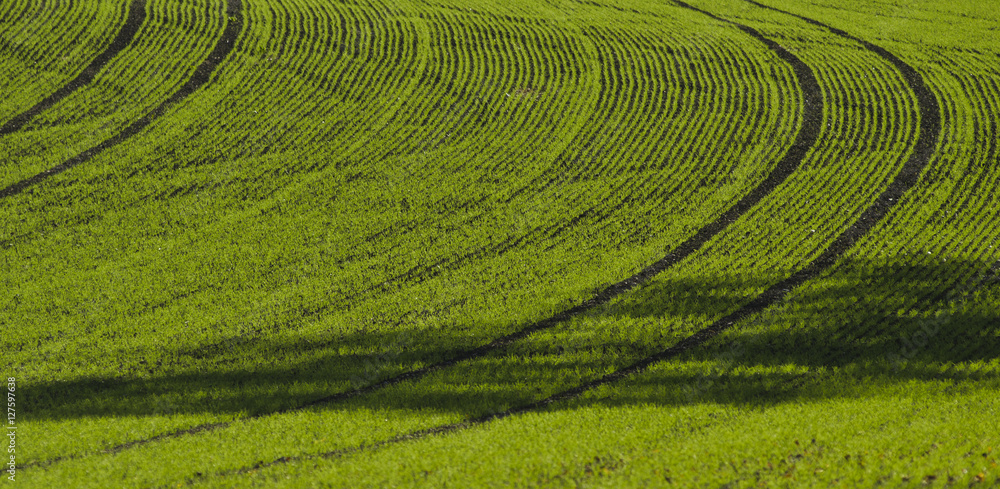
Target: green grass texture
[(462, 243)]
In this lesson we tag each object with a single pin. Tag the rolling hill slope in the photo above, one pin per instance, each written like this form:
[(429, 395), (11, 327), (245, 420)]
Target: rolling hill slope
[(461, 243)]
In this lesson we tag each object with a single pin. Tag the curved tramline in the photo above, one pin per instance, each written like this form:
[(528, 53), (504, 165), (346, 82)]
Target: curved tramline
[(804, 140), (703, 255), (237, 82), (947, 230), (135, 18), (923, 270), (620, 239), (200, 77), (494, 249), (927, 140), (549, 229), (112, 100), (49, 43), (965, 158)]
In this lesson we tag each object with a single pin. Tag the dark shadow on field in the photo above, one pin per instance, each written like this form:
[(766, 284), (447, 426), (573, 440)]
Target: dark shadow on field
[(884, 323)]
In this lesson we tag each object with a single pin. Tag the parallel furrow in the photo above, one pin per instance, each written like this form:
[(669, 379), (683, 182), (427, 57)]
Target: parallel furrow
[(811, 110), (930, 130), (200, 77)]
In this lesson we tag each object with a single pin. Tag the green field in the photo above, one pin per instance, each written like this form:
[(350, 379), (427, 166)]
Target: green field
[(461, 243)]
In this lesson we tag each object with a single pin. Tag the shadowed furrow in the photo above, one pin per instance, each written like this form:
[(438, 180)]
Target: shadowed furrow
[(810, 116), (929, 134), (200, 77), (927, 140), (930, 129), (805, 139), (136, 16)]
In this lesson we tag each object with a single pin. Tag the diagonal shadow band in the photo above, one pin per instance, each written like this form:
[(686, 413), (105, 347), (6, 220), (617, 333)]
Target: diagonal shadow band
[(201, 76), (930, 130), (805, 140), (808, 134)]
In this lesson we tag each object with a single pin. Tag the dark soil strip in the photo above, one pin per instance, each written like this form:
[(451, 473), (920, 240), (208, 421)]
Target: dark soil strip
[(135, 19), (930, 131), (812, 115), (200, 77)]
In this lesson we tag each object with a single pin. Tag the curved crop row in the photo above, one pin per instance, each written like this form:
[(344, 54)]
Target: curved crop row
[(94, 114), (491, 366), (136, 16), (910, 310), (44, 45), (928, 137), (380, 221), (721, 94), (111, 219)]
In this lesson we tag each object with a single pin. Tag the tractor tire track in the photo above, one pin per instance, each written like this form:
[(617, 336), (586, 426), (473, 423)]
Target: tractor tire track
[(201, 76), (136, 17), (812, 113), (929, 135), (806, 138)]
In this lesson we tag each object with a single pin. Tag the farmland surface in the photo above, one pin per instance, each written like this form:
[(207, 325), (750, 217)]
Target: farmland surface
[(461, 243)]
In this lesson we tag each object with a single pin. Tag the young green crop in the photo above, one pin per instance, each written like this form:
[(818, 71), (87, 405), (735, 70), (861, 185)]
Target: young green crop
[(45, 45), (365, 189)]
